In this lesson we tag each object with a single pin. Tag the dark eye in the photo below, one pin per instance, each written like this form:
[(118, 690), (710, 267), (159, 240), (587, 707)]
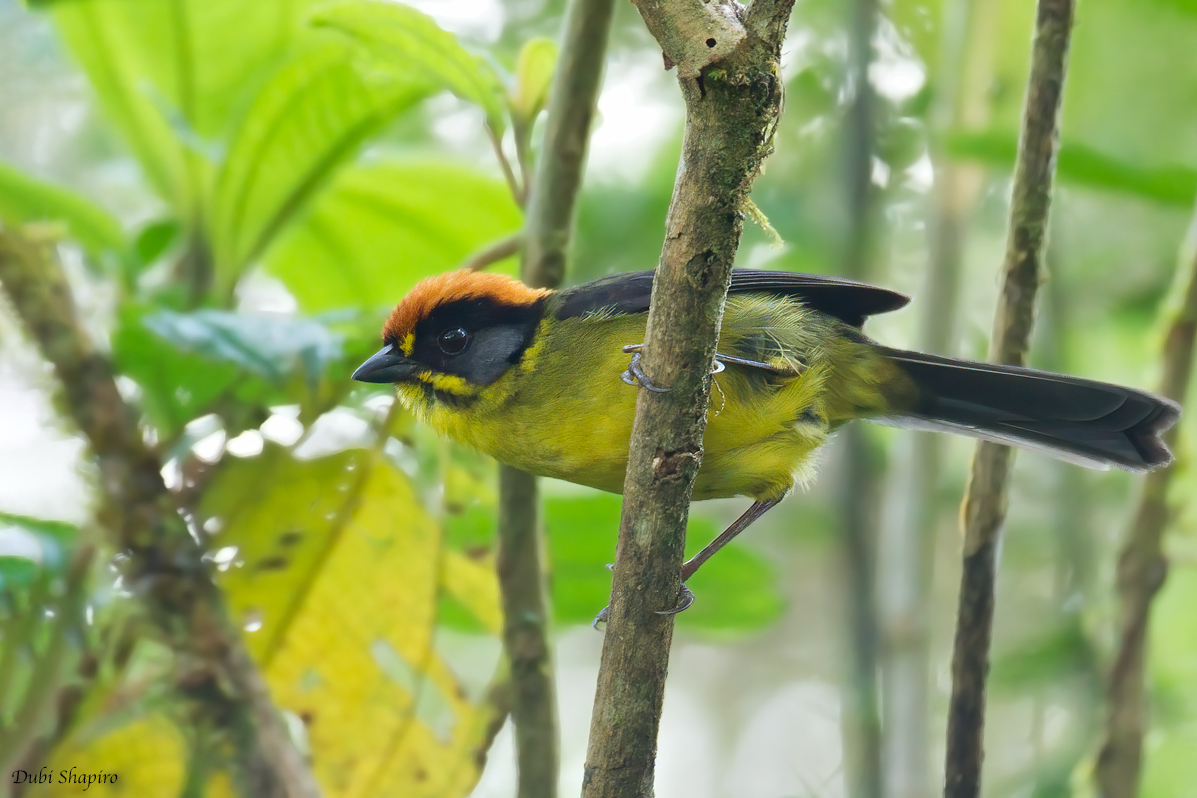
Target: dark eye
[(453, 341)]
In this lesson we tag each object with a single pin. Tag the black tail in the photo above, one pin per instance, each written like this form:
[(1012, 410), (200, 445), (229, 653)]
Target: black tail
[(1090, 423)]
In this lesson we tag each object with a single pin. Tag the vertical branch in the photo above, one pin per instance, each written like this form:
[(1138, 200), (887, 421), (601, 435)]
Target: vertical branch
[(554, 191), (1142, 565), (860, 481), (985, 502), (572, 98), (728, 71), (216, 676), (908, 543)]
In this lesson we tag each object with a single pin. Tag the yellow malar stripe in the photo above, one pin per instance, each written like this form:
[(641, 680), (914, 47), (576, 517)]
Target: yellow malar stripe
[(449, 383)]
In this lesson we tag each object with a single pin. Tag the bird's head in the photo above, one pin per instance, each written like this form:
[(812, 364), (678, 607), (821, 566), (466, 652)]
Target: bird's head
[(455, 334)]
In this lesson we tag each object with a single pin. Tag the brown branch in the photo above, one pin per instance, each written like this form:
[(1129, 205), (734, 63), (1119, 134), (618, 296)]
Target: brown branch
[(1142, 565), (985, 502), (573, 96), (731, 112), (215, 676)]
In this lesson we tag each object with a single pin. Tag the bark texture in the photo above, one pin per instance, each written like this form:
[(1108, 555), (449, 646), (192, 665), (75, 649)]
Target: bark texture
[(733, 102)]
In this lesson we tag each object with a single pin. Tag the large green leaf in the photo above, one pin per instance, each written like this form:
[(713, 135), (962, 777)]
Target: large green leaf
[(305, 122), (381, 227), (25, 199), (171, 73), (406, 42)]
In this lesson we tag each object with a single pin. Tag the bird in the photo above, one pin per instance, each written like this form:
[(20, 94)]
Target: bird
[(539, 379)]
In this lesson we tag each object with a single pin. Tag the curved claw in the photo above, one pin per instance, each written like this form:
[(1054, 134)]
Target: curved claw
[(635, 376), (600, 618), (684, 604)]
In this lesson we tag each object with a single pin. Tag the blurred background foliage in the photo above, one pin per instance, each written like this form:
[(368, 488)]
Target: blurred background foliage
[(242, 190)]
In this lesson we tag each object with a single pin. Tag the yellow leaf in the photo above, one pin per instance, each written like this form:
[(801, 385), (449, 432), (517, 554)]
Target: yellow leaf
[(344, 570)]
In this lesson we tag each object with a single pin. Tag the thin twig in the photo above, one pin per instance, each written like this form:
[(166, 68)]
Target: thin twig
[(573, 96), (493, 253), (730, 115), (985, 502), (216, 677), (513, 184), (1142, 565)]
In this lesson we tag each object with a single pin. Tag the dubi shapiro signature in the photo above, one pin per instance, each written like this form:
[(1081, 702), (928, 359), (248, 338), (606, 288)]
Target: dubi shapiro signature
[(72, 776)]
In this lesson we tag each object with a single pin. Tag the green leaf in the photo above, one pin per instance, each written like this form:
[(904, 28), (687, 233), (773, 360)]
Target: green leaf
[(737, 590), (154, 239), (533, 75), (1066, 649), (24, 199), (54, 538), (1082, 165), (109, 40), (380, 228), (406, 42), (171, 76), (308, 120), (16, 574)]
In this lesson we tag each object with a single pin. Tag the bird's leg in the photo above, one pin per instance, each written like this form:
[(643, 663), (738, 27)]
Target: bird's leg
[(721, 360), (758, 508), (691, 566)]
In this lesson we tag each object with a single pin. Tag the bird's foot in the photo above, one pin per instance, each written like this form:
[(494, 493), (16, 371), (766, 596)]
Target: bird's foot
[(684, 603), (634, 375), (687, 599)]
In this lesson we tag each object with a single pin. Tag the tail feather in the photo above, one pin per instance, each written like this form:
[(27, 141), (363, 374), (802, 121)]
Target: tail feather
[(1091, 423)]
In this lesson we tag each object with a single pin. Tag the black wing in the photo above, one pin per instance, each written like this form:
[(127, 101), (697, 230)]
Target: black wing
[(849, 301)]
